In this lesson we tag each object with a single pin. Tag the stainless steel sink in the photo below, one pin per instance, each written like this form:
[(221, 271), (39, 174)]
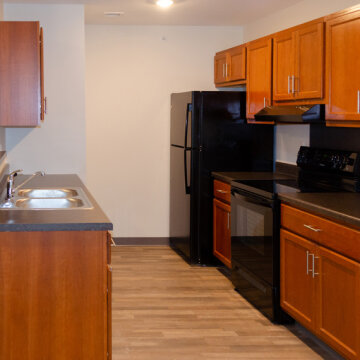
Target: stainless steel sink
[(47, 193), (73, 198), (66, 203)]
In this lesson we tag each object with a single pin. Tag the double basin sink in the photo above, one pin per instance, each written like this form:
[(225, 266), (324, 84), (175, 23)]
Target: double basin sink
[(49, 199)]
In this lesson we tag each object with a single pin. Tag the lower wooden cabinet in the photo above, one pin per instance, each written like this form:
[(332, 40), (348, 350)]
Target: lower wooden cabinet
[(321, 289), (297, 284), (222, 232), (55, 295)]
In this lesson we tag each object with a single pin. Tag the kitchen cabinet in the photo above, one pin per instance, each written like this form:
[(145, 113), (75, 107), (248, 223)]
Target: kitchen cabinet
[(259, 76), (21, 71), (298, 64), (222, 222), (55, 295), (230, 67), (343, 62), (320, 287)]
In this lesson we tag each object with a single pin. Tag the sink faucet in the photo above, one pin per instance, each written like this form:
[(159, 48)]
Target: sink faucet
[(10, 190)]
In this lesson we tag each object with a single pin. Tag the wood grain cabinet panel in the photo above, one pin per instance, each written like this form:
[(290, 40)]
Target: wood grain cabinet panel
[(21, 74), (298, 67), (283, 66), (343, 75), (230, 66), (319, 287), (259, 76), (220, 63), (222, 232), (54, 295), (338, 309), (297, 285)]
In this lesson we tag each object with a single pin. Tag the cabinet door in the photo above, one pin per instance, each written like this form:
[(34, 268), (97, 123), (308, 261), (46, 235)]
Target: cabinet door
[(297, 285), (309, 62), (343, 64), (222, 233), (283, 66), (237, 63), (259, 60), (220, 68), (339, 302), (20, 93)]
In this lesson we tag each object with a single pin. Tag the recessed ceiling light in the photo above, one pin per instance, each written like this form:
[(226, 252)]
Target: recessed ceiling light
[(164, 3), (113, 13)]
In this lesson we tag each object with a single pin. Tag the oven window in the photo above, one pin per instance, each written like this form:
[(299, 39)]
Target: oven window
[(252, 236)]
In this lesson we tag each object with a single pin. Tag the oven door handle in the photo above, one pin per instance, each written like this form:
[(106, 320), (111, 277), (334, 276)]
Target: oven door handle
[(252, 198)]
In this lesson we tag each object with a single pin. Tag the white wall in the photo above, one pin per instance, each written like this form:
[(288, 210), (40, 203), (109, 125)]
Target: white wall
[(59, 145), (130, 73), (290, 137)]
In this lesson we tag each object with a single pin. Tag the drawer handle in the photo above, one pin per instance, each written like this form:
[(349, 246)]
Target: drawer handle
[(312, 228), (222, 191)]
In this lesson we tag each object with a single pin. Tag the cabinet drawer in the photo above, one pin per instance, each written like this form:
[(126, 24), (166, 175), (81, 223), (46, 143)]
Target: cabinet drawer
[(222, 191), (328, 233)]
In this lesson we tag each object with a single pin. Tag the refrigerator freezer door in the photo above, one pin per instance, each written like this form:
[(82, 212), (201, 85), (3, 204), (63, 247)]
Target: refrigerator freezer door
[(181, 119)]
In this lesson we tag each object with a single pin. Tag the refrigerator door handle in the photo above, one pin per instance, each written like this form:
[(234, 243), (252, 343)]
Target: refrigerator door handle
[(188, 110), (187, 186)]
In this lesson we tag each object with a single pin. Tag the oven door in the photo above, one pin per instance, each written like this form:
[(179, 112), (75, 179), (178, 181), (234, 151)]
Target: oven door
[(253, 248)]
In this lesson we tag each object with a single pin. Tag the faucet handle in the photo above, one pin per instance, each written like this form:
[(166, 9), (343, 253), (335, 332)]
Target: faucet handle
[(14, 173)]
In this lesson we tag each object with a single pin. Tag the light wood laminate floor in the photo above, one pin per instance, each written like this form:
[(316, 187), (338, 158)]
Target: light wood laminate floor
[(164, 309)]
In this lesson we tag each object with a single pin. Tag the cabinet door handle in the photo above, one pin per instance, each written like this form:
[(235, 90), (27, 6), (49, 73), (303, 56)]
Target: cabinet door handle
[(313, 265), (264, 101), (358, 107), (228, 225), (293, 84), (312, 228), (223, 70), (226, 70), (289, 85), (307, 263), (222, 191)]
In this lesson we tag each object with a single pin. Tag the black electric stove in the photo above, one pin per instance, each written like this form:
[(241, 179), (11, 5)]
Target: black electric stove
[(255, 221)]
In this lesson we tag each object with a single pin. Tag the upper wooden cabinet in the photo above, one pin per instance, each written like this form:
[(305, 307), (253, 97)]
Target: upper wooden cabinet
[(298, 67), (21, 74), (259, 76), (230, 66), (343, 64)]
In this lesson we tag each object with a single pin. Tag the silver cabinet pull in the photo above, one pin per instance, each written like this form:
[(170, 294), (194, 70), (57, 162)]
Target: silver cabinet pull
[(289, 84), (264, 101), (307, 263), (313, 265), (358, 108), (228, 215), (222, 191), (293, 84), (312, 228)]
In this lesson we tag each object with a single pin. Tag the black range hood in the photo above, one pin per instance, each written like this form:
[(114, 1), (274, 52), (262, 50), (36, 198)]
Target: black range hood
[(292, 114)]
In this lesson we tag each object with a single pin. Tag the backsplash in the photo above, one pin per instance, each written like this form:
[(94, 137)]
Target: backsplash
[(335, 138)]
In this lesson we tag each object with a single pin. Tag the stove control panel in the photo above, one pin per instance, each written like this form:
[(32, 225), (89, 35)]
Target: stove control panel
[(329, 160)]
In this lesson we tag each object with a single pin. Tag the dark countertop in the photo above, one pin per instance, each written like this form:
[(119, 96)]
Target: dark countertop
[(55, 220), (246, 175), (342, 207)]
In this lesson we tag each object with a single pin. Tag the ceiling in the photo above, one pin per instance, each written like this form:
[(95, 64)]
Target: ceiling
[(183, 12)]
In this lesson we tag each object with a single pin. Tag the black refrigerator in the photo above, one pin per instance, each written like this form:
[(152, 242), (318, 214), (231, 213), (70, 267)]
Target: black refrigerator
[(208, 133)]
